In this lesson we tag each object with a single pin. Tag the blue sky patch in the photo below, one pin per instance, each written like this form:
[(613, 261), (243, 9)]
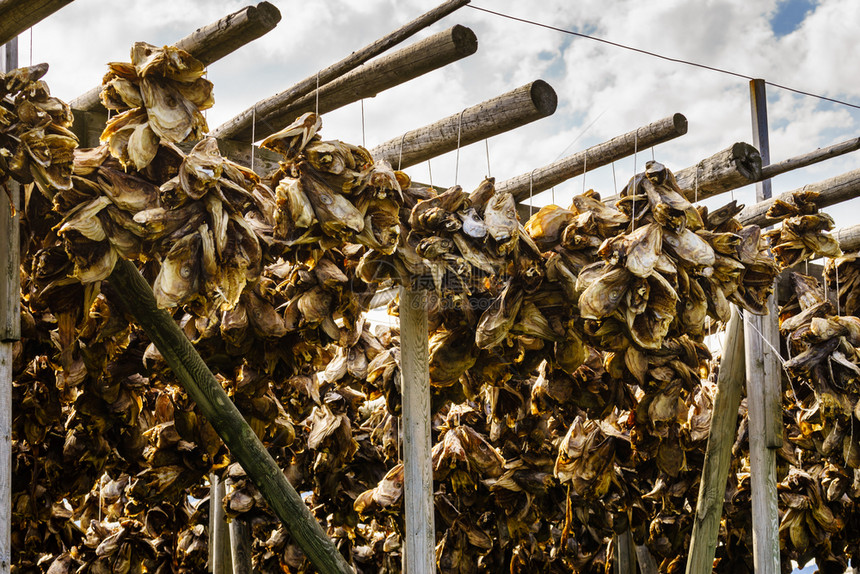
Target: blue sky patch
[(789, 15)]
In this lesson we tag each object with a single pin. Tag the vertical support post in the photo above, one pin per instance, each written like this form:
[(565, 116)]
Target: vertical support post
[(625, 553), (418, 550), (721, 437), (219, 551), (240, 545), (764, 385), (10, 331)]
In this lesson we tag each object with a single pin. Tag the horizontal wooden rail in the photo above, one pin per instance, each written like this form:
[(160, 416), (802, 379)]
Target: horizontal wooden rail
[(596, 156), (241, 124), (503, 113), (366, 81), (18, 15), (731, 168), (211, 43)]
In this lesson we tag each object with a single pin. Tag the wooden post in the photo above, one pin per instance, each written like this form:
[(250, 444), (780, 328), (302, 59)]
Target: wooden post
[(240, 545), (210, 43), (832, 191), (420, 537), (647, 564), (18, 15), (366, 81), (734, 167), (764, 384), (625, 553), (10, 331), (241, 124), (503, 113), (219, 551), (596, 156), (200, 384), (721, 437)]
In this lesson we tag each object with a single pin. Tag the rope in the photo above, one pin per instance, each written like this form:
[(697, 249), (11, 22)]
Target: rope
[(614, 181), (363, 144), (838, 305), (400, 158), (584, 169), (430, 171), (457, 161), (317, 96), (660, 56), (487, 146), (531, 194), (253, 133), (31, 45)]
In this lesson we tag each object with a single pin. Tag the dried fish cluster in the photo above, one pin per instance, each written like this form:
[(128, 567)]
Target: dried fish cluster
[(803, 233), (160, 95), (35, 142)]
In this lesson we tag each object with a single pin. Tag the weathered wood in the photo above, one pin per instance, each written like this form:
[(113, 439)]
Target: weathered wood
[(18, 15), (240, 544), (5, 457), (219, 551), (241, 124), (625, 554), (734, 167), (721, 437), (366, 81), (821, 154), (136, 295), (10, 330), (88, 126), (848, 238), (647, 564), (511, 110), (761, 139), (419, 540), (213, 494), (210, 43), (832, 191), (784, 290), (596, 156)]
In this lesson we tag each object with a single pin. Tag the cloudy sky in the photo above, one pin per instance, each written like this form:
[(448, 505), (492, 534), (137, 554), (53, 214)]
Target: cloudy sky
[(603, 90)]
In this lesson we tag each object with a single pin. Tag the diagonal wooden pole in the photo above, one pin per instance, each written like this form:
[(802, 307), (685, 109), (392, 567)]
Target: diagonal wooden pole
[(721, 437), (200, 384)]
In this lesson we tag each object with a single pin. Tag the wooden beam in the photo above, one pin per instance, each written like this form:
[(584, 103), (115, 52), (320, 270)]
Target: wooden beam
[(596, 156), (821, 154), (764, 386), (721, 437), (219, 551), (848, 238), (734, 167), (200, 384), (511, 110), (366, 81), (242, 123), (210, 43), (240, 545), (420, 537), (10, 331), (832, 191), (18, 15), (625, 553)]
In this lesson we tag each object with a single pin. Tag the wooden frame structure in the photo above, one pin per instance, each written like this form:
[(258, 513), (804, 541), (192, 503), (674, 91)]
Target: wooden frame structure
[(347, 81)]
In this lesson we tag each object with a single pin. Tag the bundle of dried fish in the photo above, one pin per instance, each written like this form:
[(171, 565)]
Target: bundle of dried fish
[(160, 95), (842, 275), (35, 142), (803, 234)]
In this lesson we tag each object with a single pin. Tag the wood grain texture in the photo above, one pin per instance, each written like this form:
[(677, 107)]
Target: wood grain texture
[(832, 191), (219, 551), (813, 157), (211, 42), (625, 554), (596, 156), (240, 545), (5, 457), (132, 290), (508, 111), (419, 539), (242, 123), (721, 437), (366, 81), (18, 15), (731, 168), (761, 363), (848, 238), (647, 564)]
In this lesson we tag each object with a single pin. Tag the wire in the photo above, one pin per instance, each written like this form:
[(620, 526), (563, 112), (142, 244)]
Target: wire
[(662, 57)]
